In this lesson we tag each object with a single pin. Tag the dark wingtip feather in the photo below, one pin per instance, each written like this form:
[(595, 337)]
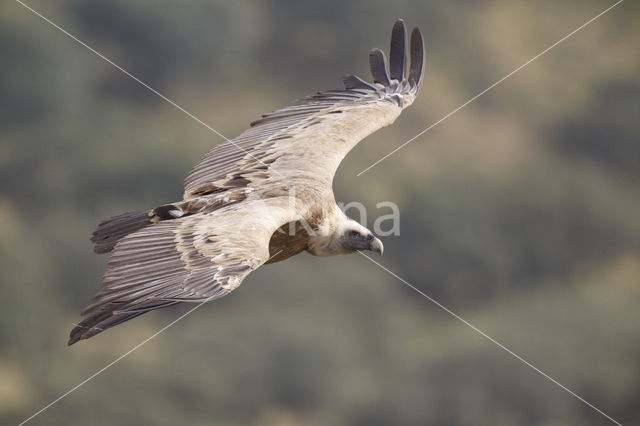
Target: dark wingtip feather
[(354, 82), (97, 323), (105, 317), (379, 69), (397, 55), (417, 57)]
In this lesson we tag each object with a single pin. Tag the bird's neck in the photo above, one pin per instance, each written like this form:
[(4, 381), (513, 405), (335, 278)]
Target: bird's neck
[(325, 238)]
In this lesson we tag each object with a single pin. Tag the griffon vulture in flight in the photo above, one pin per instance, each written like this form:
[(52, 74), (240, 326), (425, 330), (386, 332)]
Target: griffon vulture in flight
[(259, 198)]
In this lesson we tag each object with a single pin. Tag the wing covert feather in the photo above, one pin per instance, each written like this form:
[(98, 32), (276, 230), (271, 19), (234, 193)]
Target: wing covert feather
[(313, 136)]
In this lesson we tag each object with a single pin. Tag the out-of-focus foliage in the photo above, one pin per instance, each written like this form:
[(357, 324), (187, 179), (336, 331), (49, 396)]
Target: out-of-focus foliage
[(520, 213)]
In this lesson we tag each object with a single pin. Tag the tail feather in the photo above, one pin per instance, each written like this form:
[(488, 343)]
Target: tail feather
[(111, 230)]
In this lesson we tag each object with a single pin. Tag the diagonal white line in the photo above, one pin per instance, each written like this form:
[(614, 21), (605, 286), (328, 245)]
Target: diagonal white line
[(112, 363), (124, 355), (491, 339), (490, 87), (151, 89)]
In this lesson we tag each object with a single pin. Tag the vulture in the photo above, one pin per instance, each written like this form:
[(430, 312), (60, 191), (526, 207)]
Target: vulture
[(259, 198)]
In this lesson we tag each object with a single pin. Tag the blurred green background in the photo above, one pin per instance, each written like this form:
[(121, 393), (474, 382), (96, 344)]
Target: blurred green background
[(520, 213)]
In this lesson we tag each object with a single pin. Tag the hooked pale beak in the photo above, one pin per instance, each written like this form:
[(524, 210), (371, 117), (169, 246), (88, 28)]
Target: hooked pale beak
[(376, 245)]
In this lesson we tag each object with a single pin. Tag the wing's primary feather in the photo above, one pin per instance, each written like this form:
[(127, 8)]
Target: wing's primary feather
[(397, 55), (354, 82), (417, 57), (379, 67)]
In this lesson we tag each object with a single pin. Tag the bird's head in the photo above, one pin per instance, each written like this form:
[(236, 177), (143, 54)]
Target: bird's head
[(342, 235), (355, 237)]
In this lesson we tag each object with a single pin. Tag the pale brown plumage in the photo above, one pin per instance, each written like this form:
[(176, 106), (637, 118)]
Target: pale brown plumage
[(259, 198)]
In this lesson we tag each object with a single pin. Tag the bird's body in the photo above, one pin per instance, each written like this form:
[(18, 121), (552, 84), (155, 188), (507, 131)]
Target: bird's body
[(259, 198)]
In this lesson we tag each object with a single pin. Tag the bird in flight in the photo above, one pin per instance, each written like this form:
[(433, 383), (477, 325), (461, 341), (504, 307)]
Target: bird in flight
[(259, 198)]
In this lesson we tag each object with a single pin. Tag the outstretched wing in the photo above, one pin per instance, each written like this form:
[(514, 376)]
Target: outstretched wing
[(311, 138), (192, 259)]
